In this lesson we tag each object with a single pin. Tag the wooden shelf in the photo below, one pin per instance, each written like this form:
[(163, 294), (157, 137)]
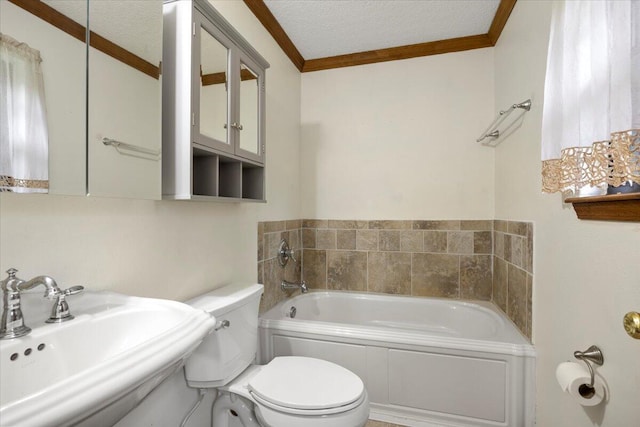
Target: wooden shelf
[(613, 207)]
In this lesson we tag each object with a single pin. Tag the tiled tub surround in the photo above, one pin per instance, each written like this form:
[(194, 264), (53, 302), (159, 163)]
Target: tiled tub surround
[(513, 271), (463, 259), (270, 273)]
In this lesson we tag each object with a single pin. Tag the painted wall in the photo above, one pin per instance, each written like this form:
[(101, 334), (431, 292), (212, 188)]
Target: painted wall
[(587, 274), (396, 140)]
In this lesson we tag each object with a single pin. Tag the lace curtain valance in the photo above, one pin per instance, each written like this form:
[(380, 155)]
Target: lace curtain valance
[(592, 96)]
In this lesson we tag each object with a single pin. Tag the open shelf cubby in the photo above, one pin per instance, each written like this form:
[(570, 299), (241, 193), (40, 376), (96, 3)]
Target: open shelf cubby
[(225, 177)]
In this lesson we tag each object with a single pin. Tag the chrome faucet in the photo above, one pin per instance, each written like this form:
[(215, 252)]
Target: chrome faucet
[(285, 285), (12, 325)]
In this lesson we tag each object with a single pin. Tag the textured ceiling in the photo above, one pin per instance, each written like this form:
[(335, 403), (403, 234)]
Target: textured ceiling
[(324, 28), (135, 25)]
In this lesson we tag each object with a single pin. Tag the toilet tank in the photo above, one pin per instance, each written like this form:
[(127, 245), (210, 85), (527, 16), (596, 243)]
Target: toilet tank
[(229, 350)]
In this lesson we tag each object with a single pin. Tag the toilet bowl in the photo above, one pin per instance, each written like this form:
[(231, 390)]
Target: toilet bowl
[(286, 392)]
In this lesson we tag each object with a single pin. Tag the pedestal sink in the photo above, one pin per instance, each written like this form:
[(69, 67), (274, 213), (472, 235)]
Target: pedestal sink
[(92, 370)]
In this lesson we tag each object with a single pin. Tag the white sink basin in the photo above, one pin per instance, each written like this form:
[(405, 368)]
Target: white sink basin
[(93, 369)]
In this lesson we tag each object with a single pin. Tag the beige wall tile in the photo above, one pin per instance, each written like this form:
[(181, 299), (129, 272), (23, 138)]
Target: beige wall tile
[(460, 242), (325, 239), (348, 224), (389, 240), (498, 244), (273, 226), (292, 237), (517, 251), (482, 242), (435, 275), (367, 240), (517, 297), (516, 227), (260, 241), (411, 240), (314, 268), (389, 272), (500, 225), (346, 239), (476, 278), (507, 247), (271, 244), (390, 225), (272, 277), (500, 277), (528, 255), (314, 223), (435, 241), (347, 270), (309, 238), (293, 224), (479, 225), (293, 269), (436, 225)]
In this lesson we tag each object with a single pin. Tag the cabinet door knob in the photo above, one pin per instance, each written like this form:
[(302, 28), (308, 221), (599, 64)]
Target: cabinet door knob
[(236, 126)]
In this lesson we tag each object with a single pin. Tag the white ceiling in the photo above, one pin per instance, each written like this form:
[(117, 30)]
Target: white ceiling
[(323, 28)]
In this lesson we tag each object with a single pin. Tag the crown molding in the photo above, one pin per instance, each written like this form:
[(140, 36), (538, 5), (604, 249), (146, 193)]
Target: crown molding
[(264, 15)]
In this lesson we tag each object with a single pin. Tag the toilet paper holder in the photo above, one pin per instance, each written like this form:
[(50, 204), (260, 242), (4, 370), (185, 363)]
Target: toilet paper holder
[(592, 354)]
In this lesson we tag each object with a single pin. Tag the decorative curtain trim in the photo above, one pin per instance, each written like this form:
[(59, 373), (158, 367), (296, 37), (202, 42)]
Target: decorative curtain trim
[(9, 184), (614, 162)]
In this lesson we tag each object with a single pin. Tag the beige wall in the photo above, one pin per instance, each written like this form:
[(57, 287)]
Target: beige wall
[(395, 140), (587, 274), (163, 249)]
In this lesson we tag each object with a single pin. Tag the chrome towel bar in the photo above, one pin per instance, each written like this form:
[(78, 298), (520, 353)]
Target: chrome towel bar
[(129, 149), (493, 132)]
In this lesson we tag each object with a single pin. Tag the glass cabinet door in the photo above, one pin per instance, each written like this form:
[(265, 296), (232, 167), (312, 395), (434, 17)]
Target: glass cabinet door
[(228, 95), (211, 62), (248, 112)]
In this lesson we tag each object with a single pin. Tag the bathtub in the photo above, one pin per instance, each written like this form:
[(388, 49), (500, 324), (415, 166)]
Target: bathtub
[(425, 361)]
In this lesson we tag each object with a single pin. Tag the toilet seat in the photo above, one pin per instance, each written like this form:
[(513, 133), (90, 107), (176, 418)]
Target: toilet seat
[(306, 386)]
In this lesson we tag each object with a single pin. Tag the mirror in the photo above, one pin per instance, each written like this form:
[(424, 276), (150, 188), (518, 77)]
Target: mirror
[(214, 88), (249, 107), (123, 103), (63, 78)]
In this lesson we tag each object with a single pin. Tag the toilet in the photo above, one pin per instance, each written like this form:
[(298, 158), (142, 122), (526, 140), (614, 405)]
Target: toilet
[(286, 392)]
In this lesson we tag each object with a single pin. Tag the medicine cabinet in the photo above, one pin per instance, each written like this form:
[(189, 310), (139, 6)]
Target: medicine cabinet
[(213, 107)]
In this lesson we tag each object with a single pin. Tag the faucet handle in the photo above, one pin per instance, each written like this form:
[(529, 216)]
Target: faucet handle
[(60, 310), (73, 290), (12, 273), (285, 253)]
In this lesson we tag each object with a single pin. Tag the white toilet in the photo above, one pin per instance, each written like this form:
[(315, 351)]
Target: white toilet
[(286, 392)]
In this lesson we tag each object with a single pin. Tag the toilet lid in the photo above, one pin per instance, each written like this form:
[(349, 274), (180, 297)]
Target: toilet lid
[(304, 383)]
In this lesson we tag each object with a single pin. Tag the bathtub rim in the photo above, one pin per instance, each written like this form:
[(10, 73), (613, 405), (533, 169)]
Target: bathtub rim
[(383, 335)]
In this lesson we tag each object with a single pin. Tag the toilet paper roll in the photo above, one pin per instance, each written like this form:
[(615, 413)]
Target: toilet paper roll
[(574, 379)]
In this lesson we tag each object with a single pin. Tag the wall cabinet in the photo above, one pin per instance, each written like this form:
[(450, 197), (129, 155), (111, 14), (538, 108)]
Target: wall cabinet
[(213, 107)]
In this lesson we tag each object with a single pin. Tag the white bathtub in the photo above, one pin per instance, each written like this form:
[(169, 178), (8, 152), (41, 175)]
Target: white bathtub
[(425, 361)]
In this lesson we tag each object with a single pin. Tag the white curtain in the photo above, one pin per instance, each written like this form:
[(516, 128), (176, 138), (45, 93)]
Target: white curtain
[(592, 90), (24, 147)]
